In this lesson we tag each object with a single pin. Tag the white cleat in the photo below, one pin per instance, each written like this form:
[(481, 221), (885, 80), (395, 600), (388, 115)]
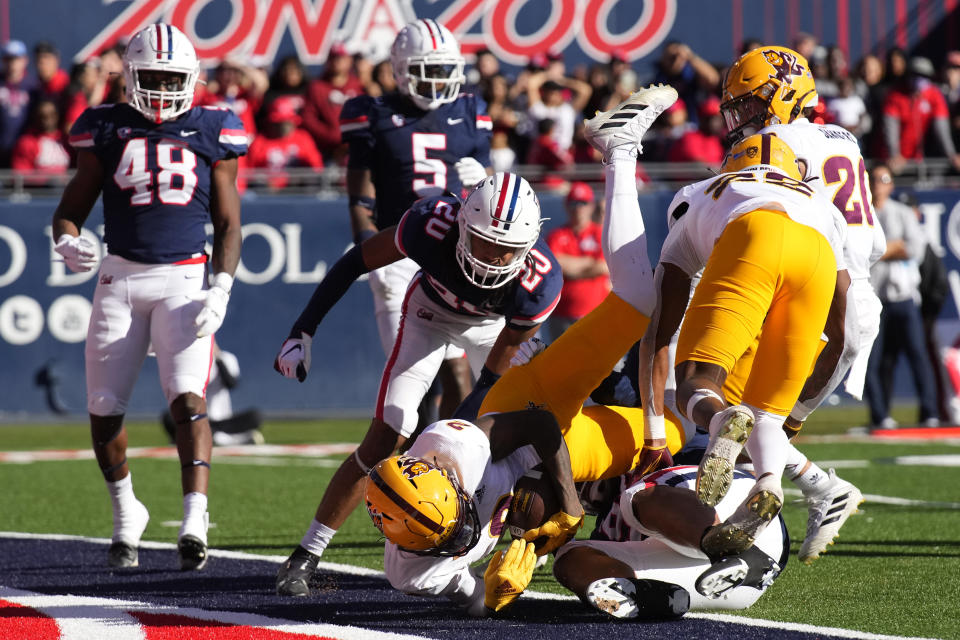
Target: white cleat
[(715, 473), (625, 124), (827, 511), (127, 530)]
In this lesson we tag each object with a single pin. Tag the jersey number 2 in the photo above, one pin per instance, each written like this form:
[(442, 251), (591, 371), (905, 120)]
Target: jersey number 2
[(176, 178)]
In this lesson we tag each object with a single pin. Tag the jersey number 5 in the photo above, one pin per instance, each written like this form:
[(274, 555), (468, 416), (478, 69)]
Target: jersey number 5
[(175, 179), (437, 184)]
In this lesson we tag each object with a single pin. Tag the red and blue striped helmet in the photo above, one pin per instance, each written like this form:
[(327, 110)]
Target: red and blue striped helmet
[(427, 64)]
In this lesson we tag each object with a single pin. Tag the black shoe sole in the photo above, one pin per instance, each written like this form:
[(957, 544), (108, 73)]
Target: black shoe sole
[(192, 552)]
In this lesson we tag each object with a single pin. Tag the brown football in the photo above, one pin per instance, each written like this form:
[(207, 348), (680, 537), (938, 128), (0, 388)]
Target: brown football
[(534, 501)]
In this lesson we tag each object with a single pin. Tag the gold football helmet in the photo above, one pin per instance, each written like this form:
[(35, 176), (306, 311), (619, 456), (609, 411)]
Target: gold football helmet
[(421, 508), (762, 149), (769, 85)]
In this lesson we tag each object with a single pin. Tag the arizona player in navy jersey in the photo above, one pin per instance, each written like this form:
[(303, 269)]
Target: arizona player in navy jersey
[(424, 140), (164, 170), (486, 283)]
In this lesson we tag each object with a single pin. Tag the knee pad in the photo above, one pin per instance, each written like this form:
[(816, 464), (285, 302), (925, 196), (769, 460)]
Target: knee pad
[(103, 402)]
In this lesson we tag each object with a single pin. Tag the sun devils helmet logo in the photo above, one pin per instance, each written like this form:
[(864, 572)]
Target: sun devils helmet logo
[(415, 469), (785, 65)]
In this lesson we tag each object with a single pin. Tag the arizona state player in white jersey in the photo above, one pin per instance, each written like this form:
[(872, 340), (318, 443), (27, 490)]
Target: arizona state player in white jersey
[(771, 89), (769, 257)]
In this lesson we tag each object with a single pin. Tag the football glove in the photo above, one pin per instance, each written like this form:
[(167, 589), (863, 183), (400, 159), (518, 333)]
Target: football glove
[(527, 351), (78, 253), (293, 361), (470, 172), (560, 528), (214, 308), (508, 574), (651, 459)]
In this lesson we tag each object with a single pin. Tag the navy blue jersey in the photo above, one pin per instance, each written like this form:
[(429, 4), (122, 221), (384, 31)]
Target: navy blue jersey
[(428, 234), (410, 153), (157, 177)]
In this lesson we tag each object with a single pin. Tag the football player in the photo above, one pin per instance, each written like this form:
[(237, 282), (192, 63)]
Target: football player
[(604, 441), (164, 169), (771, 90), (644, 559), (769, 247), (424, 140), (487, 281), (443, 506)]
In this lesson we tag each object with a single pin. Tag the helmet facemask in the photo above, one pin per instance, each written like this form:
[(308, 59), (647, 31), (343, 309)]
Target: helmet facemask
[(745, 115), (464, 535), (485, 274), (152, 96), (433, 80)]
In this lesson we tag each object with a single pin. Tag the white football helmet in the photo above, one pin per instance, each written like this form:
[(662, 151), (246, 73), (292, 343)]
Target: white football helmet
[(427, 64), (155, 52), (502, 210)]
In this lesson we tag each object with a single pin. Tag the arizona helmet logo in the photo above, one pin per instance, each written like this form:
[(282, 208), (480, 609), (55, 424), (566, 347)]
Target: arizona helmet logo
[(785, 65), (416, 469)]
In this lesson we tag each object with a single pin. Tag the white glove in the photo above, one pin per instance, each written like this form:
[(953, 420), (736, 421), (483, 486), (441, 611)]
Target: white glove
[(527, 351), (214, 305), (78, 253), (293, 360), (470, 172)]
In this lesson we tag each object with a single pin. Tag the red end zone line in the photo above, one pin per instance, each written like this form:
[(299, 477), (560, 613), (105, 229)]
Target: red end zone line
[(294, 450), (940, 433)]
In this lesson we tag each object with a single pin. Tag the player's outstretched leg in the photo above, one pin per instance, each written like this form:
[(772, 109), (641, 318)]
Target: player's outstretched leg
[(827, 510), (729, 430), (737, 533), (639, 599)]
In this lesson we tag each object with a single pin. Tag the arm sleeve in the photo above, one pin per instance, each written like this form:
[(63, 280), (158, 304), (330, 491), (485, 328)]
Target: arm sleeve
[(330, 290)]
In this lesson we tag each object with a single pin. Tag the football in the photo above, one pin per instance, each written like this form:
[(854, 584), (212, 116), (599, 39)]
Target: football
[(534, 501)]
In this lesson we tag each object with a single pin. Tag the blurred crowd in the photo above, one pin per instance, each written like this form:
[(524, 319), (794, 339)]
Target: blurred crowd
[(901, 108)]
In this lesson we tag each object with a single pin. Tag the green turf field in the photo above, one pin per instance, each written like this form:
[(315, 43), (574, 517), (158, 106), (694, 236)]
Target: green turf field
[(894, 570)]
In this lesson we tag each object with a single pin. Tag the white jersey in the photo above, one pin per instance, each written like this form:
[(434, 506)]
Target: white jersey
[(836, 169), (464, 449), (701, 211)]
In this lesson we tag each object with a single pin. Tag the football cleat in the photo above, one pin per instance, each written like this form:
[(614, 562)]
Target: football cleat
[(122, 555), (737, 533), (827, 511), (294, 575), (715, 473), (192, 552), (633, 598), (625, 124), (721, 576)]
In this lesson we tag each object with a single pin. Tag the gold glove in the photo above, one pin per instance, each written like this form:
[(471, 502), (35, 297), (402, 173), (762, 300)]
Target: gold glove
[(559, 529), (508, 574)]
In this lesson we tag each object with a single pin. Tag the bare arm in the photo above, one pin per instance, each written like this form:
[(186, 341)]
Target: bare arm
[(673, 291), (581, 92), (514, 429), (225, 214), (79, 196), (360, 186)]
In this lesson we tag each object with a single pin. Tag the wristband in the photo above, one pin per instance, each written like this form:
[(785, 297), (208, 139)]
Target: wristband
[(654, 427), (223, 280), (363, 201), (487, 378)]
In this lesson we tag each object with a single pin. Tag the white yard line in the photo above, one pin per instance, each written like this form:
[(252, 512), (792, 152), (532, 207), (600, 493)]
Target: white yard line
[(253, 620)]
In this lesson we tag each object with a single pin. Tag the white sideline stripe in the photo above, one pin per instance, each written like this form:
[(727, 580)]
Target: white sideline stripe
[(84, 617), (535, 595), (259, 450), (900, 502), (866, 439)]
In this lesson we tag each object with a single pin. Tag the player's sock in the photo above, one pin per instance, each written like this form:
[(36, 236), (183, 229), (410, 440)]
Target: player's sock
[(810, 480), (624, 239), (129, 515), (768, 443), (195, 519), (317, 537)]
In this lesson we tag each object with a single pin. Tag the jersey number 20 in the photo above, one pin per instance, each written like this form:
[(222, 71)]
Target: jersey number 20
[(175, 180)]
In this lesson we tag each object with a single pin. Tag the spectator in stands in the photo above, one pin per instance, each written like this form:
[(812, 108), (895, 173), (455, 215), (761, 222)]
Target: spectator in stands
[(805, 44), (41, 148), (665, 132), (951, 91), (561, 101), (87, 88), (485, 68), (848, 109), (705, 143), (688, 73), (240, 88), (577, 246), (14, 96), (750, 44), (601, 86), (895, 69), (382, 80), (870, 87), (325, 98), (52, 81), (896, 279), (913, 110), (283, 145), (502, 156), (288, 81), (546, 153)]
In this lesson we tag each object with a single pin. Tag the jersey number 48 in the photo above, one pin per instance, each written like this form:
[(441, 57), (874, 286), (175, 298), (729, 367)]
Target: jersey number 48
[(175, 178)]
